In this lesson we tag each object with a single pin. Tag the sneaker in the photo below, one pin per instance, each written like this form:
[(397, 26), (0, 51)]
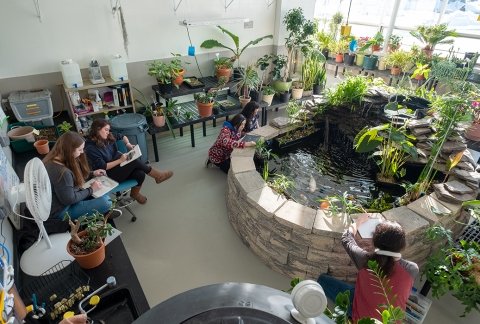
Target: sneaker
[(208, 163), (115, 213)]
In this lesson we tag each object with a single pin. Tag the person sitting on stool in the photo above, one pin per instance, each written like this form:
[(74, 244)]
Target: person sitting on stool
[(102, 152), (388, 240)]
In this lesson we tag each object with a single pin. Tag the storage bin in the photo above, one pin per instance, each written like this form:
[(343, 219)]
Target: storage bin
[(32, 106), (134, 126), (22, 146)]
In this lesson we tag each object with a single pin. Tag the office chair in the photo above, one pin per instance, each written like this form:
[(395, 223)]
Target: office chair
[(122, 191)]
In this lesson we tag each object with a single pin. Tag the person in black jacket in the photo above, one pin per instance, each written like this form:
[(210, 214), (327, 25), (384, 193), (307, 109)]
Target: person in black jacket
[(102, 152)]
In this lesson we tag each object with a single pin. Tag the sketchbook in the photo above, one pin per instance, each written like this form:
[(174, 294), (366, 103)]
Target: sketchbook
[(134, 154), (107, 185), (366, 229)]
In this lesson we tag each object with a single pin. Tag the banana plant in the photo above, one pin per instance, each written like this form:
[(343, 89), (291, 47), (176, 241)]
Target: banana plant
[(237, 51), (391, 147)]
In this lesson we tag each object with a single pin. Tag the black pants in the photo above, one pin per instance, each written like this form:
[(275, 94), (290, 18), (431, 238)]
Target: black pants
[(135, 170), (224, 166)]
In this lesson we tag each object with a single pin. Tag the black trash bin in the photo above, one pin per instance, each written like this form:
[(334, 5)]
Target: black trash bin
[(134, 126)]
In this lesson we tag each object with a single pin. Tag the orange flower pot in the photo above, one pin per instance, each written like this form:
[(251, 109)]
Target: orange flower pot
[(179, 79), (42, 146), (223, 72), (339, 58), (90, 260), (205, 109)]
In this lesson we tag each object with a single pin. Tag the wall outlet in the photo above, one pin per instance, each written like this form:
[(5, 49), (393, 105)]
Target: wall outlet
[(248, 24)]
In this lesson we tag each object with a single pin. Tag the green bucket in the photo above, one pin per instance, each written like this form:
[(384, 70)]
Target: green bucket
[(370, 62)]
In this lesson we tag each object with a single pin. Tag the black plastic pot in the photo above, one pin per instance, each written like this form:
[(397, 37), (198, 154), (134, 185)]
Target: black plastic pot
[(317, 89), (284, 96), (325, 53), (411, 102), (348, 59), (165, 88), (256, 95)]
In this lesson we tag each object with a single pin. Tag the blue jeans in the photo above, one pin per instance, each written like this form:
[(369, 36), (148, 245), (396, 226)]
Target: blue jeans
[(333, 286), (87, 207)]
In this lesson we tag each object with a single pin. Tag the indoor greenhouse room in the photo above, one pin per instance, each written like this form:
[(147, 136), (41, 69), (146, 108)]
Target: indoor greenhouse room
[(240, 161)]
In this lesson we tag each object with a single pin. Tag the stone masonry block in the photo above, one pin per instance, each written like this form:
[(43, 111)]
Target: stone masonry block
[(430, 209), (267, 200), (331, 226), (249, 181), (299, 217), (287, 270), (413, 224), (328, 257), (272, 251), (242, 164), (454, 208), (268, 132), (289, 246), (323, 243), (246, 151)]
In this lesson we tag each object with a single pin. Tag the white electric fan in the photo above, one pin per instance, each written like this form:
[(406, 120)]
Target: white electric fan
[(45, 253)]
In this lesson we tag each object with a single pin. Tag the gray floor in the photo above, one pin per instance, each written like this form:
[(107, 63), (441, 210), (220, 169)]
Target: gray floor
[(183, 238)]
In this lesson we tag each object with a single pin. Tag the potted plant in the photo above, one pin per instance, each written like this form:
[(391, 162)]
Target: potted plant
[(394, 43), (392, 147), (205, 102), (337, 19), (64, 127), (398, 61), (263, 63), (268, 93), (248, 80), (313, 65), (360, 54), (421, 72), (430, 36), (374, 43), (87, 246), (324, 41), (279, 62), (297, 89), (320, 80), (339, 48), (223, 67), (300, 32), (177, 70), (163, 73), (237, 51)]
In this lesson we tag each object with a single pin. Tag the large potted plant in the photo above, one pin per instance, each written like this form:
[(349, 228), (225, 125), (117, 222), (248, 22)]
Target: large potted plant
[(430, 36), (324, 41), (312, 66), (177, 70), (394, 43), (236, 51), (87, 246), (300, 32), (163, 73), (398, 61), (249, 80), (279, 63), (339, 48), (268, 93)]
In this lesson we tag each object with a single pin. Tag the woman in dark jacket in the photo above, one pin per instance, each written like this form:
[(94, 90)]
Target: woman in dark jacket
[(227, 140), (250, 111), (102, 152)]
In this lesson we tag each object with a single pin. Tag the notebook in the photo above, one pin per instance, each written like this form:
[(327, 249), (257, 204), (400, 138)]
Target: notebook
[(107, 185), (132, 155), (367, 228), (250, 138)]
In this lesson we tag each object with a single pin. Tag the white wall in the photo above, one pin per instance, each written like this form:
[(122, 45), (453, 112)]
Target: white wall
[(82, 29)]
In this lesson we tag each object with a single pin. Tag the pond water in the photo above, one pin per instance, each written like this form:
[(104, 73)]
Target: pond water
[(326, 165)]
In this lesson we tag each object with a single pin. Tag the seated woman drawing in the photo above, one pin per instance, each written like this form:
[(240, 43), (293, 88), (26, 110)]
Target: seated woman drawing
[(250, 111), (67, 170), (388, 240), (102, 153), (227, 140)]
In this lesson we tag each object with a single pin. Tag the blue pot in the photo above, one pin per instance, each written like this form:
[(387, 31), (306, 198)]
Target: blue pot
[(370, 62)]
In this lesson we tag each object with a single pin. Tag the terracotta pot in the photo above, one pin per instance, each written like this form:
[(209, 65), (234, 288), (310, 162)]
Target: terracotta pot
[(91, 260), (244, 101), (268, 99), (473, 132), (42, 146), (179, 79), (223, 72), (375, 48), (297, 93), (395, 71), (420, 77), (159, 121), (205, 109), (339, 58)]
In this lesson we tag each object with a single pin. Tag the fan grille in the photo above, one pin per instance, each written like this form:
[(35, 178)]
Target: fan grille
[(38, 191)]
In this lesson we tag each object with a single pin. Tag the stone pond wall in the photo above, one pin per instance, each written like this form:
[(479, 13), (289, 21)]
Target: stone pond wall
[(299, 241)]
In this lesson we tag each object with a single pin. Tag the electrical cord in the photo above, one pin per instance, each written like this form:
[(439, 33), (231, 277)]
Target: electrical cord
[(195, 56)]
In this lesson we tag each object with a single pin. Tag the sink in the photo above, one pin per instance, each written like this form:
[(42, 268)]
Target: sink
[(115, 307)]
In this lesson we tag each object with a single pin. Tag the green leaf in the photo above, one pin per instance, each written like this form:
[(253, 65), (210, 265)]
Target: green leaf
[(232, 35), (254, 42), (211, 43)]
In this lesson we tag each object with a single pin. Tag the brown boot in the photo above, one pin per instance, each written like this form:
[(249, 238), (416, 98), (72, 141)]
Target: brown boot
[(160, 176), (135, 194)]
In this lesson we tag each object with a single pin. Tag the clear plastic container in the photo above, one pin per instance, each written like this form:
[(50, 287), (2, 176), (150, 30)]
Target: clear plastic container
[(117, 67), (71, 74)]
